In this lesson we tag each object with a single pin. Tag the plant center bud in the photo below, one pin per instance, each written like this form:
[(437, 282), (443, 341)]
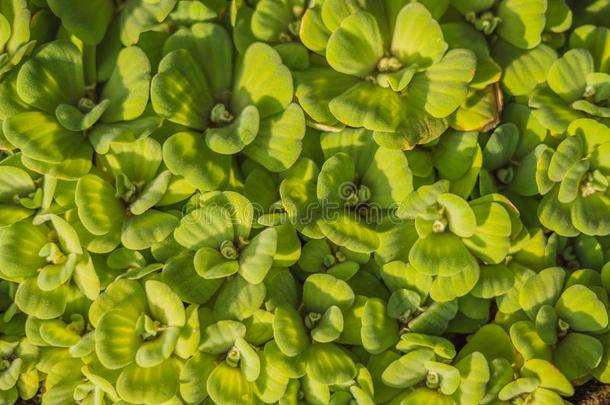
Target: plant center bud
[(228, 250), (220, 115)]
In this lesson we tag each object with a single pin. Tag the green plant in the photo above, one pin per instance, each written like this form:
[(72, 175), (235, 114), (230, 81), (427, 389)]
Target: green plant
[(399, 202)]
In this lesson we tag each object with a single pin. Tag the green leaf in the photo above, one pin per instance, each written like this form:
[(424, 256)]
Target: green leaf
[(187, 155), (447, 288), (527, 342), (321, 291), (577, 355), (443, 86), (329, 327), (211, 43), (348, 230), (546, 324), (179, 272), (408, 370), (36, 302), (479, 342), (460, 216), (179, 91), (205, 227), (417, 39), (237, 135), (441, 254), (518, 387), (491, 241), (582, 310), (379, 332), (555, 215), (548, 375), (262, 80), (567, 76), (313, 32), (552, 111), (219, 337), (590, 214), (501, 146), (210, 264), (151, 194), (289, 332), (249, 362), (541, 289), (98, 208), (153, 352), (435, 319), (116, 340), (494, 281), (522, 22), (569, 187), (103, 135), (278, 143), (227, 385), (196, 369), (142, 231), (316, 87), (238, 299), (257, 257), (40, 137), (149, 385), (139, 16), (88, 23), (356, 46), (19, 247), (328, 364), (52, 276), (114, 295), (164, 305), (52, 77), (128, 86), (270, 20)]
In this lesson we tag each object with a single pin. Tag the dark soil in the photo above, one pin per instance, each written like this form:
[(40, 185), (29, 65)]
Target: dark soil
[(592, 393)]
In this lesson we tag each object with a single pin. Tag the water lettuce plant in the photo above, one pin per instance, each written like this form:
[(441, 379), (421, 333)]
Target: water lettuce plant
[(342, 202), (381, 74)]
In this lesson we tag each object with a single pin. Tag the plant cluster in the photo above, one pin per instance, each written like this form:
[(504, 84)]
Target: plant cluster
[(402, 202)]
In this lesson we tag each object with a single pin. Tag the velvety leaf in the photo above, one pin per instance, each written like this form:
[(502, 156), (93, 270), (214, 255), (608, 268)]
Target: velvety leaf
[(149, 385), (88, 22), (356, 46), (52, 77)]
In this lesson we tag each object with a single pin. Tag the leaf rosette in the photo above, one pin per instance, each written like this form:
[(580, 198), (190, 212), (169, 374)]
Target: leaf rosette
[(123, 206), (138, 329), (574, 181), (243, 109), (63, 115), (456, 157), (511, 153), (454, 235), (220, 233), (534, 380), (52, 268), (22, 193), (352, 193), (427, 366), (74, 379), (307, 336), (16, 42), (577, 84), (382, 75), (19, 377), (564, 318), (229, 364)]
